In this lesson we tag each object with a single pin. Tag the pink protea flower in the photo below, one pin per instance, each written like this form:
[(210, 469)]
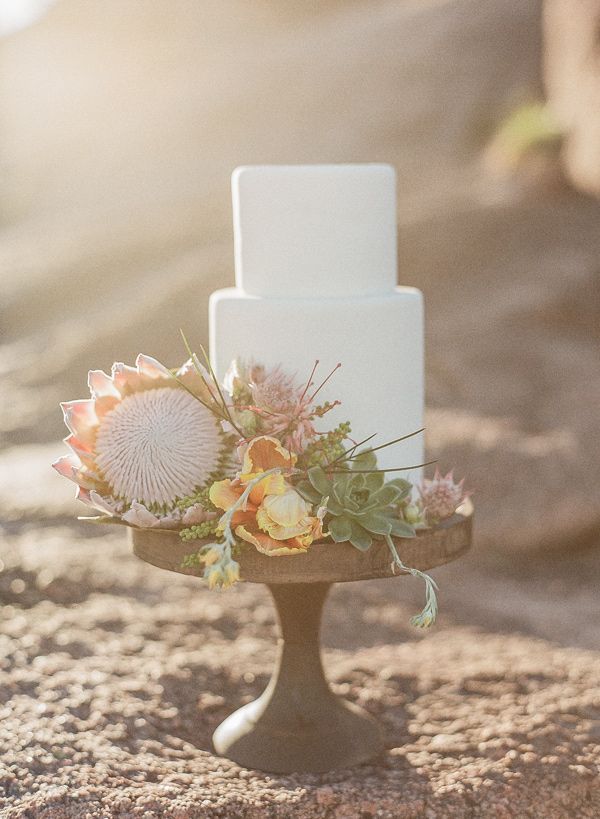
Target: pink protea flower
[(275, 392), (269, 402), (296, 429), (441, 497), (142, 441)]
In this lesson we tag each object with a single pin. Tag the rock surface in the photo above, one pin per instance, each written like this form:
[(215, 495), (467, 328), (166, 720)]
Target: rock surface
[(572, 77), (114, 675)]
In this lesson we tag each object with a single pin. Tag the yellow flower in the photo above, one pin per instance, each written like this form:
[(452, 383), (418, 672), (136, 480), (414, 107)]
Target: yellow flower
[(275, 518), (284, 516), (214, 576), (265, 453), (232, 574), (211, 556)]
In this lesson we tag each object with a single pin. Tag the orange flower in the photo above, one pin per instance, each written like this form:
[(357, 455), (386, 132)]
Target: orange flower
[(274, 518)]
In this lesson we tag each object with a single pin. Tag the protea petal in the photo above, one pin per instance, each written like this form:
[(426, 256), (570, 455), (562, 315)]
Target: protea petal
[(84, 496), (232, 375), (80, 417), (104, 405), (196, 379), (138, 515), (151, 368), (68, 466), (101, 384), (170, 521), (100, 503), (125, 378), (87, 478), (196, 514), (83, 452)]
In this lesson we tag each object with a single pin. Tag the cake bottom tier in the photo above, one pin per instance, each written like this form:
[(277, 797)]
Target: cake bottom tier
[(377, 339)]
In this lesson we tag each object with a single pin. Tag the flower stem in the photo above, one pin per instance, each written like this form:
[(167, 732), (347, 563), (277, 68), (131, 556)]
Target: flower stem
[(395, 469), (427, 616), (396, 440), (351, 450), (194, 359)]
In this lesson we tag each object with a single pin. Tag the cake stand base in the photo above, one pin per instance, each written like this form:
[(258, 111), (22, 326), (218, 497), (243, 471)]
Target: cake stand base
[(298, 724)]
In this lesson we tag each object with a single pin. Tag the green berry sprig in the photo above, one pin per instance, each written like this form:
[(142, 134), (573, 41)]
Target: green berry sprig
[(326, 448), (200, 496), (199, 531), (322, 409)]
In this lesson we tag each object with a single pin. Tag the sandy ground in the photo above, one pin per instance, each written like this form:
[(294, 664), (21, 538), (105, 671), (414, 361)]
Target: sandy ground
[(119, 135), (113, 680), (114, 675)]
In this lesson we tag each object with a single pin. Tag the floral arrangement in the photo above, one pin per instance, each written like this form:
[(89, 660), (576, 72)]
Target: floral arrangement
[(243, 464)]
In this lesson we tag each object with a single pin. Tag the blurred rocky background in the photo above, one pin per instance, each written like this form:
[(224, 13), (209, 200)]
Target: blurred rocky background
[(121, 122)]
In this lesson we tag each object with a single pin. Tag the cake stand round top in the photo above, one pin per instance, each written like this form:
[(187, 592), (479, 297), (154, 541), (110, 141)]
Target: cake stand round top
[(324, 562)]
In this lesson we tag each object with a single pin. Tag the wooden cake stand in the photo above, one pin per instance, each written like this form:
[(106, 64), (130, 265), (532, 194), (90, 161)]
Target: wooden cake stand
[(298, 724)]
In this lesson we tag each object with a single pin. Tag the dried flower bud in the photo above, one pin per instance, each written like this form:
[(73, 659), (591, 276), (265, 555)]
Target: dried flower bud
[(211, 555)]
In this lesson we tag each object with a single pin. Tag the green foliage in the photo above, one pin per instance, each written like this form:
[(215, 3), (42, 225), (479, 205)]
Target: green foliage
[(192, 561), (325, 448), (199, 530), (322, 409), (199, 496), (361, 505), (528, 128)]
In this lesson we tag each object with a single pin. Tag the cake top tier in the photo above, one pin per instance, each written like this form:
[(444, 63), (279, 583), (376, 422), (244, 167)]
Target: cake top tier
[(315, 230)]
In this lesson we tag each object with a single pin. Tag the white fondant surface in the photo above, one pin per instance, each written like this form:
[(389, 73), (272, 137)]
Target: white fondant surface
[(378, 340), (306, 230)]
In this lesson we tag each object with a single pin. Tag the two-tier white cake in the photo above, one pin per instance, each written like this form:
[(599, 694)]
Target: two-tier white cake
[(315, 268)]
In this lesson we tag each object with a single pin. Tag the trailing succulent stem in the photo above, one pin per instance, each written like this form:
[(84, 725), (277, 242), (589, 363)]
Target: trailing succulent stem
[(361, 507), (428, 615)]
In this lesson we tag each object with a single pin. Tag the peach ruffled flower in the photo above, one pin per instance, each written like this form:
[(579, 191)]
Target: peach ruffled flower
[(141, 441), (275, 518)]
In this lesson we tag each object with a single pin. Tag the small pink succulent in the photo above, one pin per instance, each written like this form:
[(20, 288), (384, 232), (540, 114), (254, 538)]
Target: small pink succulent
[(441, 496)]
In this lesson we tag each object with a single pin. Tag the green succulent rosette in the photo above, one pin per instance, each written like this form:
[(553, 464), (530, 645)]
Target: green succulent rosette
[(361, 504)]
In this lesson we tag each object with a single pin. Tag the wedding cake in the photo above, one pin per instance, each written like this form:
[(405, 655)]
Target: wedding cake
[(315, 273)]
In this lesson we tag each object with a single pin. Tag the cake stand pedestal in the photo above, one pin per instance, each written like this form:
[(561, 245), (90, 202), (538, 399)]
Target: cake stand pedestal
[(298, 724)]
